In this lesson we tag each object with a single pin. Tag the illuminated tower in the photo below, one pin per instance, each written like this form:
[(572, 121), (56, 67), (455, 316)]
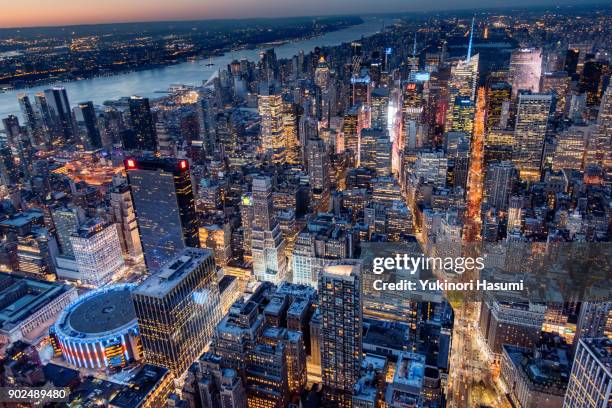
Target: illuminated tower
[(60, 115), (350, 130), (142, 124), (87, 124), (598, 150), (590, 382), (318, 172), (97, 252), (463, 110), (177, 309), (322, 73), (341, 341), (525, 70), (380, 108), (165, 209), (529, 132), (270, 108), (463, 80), (498, 104), (268, 245)]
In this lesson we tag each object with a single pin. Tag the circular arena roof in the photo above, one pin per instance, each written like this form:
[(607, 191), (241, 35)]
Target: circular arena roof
[(98, 313), (105, 312)]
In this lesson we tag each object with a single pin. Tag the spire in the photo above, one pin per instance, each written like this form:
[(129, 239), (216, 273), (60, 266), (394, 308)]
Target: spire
[(414, 46), (469, 53)]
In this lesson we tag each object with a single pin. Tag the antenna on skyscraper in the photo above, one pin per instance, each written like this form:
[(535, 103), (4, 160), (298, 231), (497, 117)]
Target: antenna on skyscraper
[(469, 53)]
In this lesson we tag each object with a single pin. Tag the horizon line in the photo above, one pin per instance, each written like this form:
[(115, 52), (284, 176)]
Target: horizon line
[(604, 3)]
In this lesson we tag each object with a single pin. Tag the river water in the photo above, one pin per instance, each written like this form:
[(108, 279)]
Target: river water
[(149, 83)]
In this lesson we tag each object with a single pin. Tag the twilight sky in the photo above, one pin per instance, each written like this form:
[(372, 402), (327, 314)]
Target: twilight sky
[(22, 13)]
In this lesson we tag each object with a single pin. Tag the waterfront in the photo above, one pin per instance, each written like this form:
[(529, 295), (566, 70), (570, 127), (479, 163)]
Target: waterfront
[(149, 83)]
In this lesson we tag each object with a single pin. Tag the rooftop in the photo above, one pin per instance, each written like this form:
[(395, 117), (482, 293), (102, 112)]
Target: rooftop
[(21, 297), (160, 283), (139, 387)]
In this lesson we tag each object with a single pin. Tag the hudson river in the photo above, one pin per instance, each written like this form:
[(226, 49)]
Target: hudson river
[(151, 82)]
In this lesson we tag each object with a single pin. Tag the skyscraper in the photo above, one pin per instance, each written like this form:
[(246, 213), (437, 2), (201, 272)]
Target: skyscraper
[(529, 132), (598, 149), (97, 252), (87, 125), (525, 70), (341, 344), (270, 108), (124, 215), (318, 171), (266, 373), (177, 309), (60, 115), (499, 177), (498, 100), (268, 245), (380, 108), (142, 125), (463, 110), (165, 209), (590, 383)]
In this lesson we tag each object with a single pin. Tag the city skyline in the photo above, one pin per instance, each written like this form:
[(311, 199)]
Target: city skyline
[(70, 12), (401, 210)]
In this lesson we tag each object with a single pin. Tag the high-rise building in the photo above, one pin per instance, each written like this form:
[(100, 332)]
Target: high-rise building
[(510, 319), (499, 178), (525, 70), (590, 383), (165, 209), (177, 309), (318, 171), (267, 243), (529, 133), (32, 122), (87, 125), (124, 215), (266, 373), (97, 252), (407, 386), (571, 146), (60, 115), (350, 129), (380, 108), (598, 149), (66, 220), (594, 320), (270, 108), (558, 84), (462, 112), (498, 103), (142, 124), (341, 343)]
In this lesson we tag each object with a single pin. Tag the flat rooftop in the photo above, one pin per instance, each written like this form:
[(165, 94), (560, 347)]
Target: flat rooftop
[(21, 297), (160, 283)]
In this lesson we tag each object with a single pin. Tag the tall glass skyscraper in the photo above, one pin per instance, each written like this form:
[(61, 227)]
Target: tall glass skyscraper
[(177, 309), (165, 209), (142, 124), (341, 343)]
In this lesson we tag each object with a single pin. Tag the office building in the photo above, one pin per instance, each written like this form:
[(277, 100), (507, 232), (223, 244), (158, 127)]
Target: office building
[(124, 216), (60, 116), (266, 374), (590, 383), (498, 183), (177, 308), (270, 108), (142, 124), (87, 125), (525, 70), (267, 243), (529, 133), (163, 199), (341, 310), (380, 108), (536, 378), (97, 252), (407, 385)]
